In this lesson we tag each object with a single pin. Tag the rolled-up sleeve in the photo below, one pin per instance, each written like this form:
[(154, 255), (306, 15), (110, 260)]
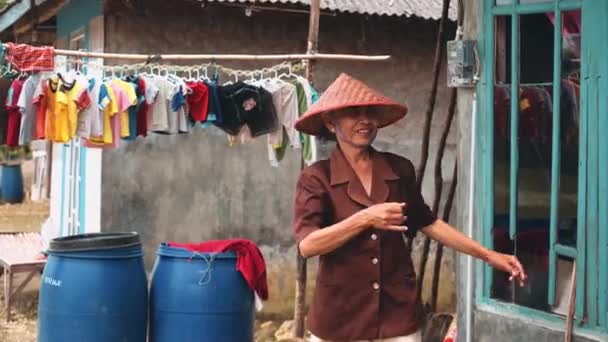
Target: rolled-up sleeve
[(311, 205), (419, 215)]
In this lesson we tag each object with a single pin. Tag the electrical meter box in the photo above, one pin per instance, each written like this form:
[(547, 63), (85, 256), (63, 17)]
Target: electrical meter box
[(461, 63)]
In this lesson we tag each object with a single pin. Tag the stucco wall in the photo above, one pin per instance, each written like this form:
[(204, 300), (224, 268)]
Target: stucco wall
[(196, 187)]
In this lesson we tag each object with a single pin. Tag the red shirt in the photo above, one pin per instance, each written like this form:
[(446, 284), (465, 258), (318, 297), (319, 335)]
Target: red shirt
[(142, 114), (250, 261), (14, 113), (198, 101), (41, 114)]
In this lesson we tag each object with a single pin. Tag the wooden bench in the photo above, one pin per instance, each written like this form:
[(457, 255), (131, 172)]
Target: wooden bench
[(19, 253)]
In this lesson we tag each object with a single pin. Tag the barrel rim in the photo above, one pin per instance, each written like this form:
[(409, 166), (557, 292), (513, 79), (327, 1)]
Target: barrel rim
[(93, 241), (167, 251)]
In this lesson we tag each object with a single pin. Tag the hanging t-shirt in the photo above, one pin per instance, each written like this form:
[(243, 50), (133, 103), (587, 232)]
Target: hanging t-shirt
[(5, 84), (90, 120), (144, 106), (231, 121), (126, 97), (198, 101), (150, 94), (246, 104), (108, 105), (309, 143), (265, 121), (65, 101), (160, 110), (40, 100), (310, 151), (178, 118), (302, 104), (285, 100), (28, 109), (14, 113), (134, 109), (215, 106)]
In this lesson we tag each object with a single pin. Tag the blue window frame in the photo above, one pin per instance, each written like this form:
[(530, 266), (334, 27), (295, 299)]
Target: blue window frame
[(543, 195)]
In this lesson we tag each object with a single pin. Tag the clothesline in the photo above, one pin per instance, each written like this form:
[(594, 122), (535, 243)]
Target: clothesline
[(108, 109)]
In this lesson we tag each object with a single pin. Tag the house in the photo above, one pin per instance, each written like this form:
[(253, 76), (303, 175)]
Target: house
[(195, 187), (538, 156)]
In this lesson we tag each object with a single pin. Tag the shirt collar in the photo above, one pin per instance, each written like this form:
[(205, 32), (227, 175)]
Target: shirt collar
[(341, 172)]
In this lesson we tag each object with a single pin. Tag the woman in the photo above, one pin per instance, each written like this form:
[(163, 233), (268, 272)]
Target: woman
[(352, 211)]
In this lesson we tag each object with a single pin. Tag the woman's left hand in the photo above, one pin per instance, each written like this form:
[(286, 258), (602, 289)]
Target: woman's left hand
[(508, 263)]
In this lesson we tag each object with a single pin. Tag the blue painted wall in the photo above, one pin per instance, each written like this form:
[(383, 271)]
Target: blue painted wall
[(76, 14)]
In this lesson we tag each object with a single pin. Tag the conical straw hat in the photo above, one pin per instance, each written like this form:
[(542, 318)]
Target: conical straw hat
[(348, 92)]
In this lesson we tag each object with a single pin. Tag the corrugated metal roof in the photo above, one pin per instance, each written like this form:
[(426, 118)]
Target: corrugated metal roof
[(428, 9), (6, 4)]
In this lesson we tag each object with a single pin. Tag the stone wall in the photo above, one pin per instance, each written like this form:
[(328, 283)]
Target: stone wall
[(195, 187)]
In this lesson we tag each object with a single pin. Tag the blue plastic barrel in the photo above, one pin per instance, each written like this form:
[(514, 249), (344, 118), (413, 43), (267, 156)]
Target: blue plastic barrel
[(12, 184), (199, 297), (94, 289)]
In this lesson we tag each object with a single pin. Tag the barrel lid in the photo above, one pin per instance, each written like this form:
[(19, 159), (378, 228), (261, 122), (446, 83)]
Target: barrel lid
[(94, 241)]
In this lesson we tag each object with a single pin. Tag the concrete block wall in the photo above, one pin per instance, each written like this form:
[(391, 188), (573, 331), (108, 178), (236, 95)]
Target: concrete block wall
[(195, 187)]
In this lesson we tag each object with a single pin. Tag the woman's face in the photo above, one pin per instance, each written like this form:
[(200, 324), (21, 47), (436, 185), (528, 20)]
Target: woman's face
[(355, 126)]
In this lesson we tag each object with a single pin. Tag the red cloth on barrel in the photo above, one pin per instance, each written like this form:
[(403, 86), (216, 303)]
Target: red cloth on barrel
[(249, 260)]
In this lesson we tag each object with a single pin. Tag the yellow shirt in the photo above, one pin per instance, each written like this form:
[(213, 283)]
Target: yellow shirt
[(65, 102), (126, 97)]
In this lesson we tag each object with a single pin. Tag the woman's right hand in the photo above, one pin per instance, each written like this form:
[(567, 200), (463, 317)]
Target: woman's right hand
[(387, 216)]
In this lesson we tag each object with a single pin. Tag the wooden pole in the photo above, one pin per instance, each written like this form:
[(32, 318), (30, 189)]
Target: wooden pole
[(438, 60), (438, 182), (426, 135), (439, 254), (571, 306), (300, 298), (313, 37)]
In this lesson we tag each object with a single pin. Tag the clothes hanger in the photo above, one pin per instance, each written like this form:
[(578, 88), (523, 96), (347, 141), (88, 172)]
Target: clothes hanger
[(236, 79), (189, 72), (206, 75), (286, 75)]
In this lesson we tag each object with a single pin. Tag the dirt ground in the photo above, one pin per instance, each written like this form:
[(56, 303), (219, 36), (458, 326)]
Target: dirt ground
[(22, 327), (25, 217)]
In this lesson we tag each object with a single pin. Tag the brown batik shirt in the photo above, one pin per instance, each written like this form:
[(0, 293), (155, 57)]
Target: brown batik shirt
[(365, 289)]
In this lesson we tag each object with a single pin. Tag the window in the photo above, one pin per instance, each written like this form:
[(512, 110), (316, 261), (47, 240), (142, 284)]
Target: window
[(77, 42), (541, 191)]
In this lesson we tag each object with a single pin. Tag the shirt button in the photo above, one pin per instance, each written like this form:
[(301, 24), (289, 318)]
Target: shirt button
[(374, 237), (376, 286), (374, 261)]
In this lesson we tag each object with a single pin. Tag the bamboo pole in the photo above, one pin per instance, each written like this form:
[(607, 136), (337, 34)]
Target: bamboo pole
[(300, 298), (311, 55)]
